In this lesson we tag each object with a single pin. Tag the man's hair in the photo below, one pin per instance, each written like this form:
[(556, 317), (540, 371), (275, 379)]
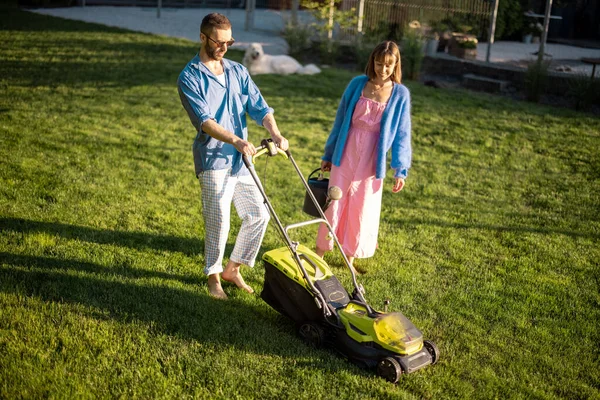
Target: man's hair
[(214, 21), (382, 53)]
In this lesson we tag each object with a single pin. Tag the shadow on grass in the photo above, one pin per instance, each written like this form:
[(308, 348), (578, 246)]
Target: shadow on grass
[(99, 73), (68, 266), (135, 240), (490, 227), (511, 220), (172, 311), (129, 294), (98, 55), (15, 19)]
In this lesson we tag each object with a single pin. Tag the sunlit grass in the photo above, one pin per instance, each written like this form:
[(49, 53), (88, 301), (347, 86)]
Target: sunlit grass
[(491, 250)]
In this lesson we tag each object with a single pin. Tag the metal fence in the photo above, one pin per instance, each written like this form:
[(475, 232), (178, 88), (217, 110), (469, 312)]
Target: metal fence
[(167, 3), (265, 4), (373, 14)]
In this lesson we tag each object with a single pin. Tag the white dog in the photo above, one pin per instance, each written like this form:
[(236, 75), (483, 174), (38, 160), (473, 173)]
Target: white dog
[(258, 62)]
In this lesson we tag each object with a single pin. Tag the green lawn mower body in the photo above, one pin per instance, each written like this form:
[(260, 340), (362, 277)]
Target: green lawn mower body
[(373, 339)]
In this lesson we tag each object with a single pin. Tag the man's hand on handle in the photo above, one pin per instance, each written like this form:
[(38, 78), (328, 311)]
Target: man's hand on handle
[(280, 141), (271, 126), (216, 131), (245, 147)]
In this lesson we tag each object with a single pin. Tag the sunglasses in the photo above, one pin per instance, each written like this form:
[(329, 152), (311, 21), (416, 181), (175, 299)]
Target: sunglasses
[(229, 43)]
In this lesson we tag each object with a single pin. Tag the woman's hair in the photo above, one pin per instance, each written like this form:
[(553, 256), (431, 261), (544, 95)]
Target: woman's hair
[(214, 21), (383, 52)]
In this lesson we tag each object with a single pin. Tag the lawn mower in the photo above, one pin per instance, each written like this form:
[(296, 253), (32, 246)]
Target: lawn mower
[(300, 285)]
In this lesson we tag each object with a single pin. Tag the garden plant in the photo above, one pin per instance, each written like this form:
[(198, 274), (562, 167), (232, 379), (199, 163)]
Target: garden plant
[(492, 249)]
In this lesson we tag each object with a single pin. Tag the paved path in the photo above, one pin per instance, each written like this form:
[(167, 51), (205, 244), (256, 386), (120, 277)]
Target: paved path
[(185, 23), (563, 56)]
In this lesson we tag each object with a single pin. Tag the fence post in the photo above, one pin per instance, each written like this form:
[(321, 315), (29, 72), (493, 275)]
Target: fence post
[(250, 7), (361, 15), (492, 30), (330, 30), (544, 32), (295, 7)]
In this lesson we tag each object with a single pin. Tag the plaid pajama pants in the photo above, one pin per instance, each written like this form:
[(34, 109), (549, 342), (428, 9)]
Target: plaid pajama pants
[(219, 190)]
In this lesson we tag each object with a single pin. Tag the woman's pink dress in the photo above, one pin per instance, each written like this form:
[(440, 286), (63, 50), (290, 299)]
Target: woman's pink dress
[(355, 217)]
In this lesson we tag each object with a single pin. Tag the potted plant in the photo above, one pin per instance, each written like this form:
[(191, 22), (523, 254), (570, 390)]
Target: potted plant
[(438, 36), (431, 44), (532, 32), (463, 46), (441, 33)]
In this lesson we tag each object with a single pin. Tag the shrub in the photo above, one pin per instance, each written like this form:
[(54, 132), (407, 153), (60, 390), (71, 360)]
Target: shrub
[(510, 19), (412, 51), (362, 50), (462, 23), (536, 79), (383, 30), (297, 37), (329, 17), (329, 50), (584, 91)]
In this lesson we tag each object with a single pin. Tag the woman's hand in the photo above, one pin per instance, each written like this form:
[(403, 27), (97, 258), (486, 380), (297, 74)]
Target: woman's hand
[(398, 185), (325, 166)]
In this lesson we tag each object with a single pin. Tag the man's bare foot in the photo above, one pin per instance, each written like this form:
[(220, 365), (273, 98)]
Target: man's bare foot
[(214, 287), (232, 274)]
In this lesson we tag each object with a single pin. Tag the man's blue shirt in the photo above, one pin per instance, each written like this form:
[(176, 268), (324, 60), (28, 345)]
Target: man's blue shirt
[(204, 98)]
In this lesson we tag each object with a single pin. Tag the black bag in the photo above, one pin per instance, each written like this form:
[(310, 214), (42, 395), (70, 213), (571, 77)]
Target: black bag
[(319, 189)]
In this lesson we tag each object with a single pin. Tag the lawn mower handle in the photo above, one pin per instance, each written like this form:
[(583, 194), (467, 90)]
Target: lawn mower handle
[(266, 146)]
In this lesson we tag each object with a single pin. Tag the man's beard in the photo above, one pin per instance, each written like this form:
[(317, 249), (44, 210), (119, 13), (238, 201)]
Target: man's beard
[(211, 53)]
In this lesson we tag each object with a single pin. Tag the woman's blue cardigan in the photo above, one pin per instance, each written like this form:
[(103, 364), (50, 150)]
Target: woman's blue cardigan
[(394, 133)]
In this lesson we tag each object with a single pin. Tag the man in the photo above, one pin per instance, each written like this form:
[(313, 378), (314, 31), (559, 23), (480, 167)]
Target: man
[(217, 93)]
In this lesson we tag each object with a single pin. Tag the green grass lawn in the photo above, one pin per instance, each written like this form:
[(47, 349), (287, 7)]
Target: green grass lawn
[(492, 249)]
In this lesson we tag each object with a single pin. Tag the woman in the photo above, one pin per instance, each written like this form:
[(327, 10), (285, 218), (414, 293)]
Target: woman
[(373, 118)]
